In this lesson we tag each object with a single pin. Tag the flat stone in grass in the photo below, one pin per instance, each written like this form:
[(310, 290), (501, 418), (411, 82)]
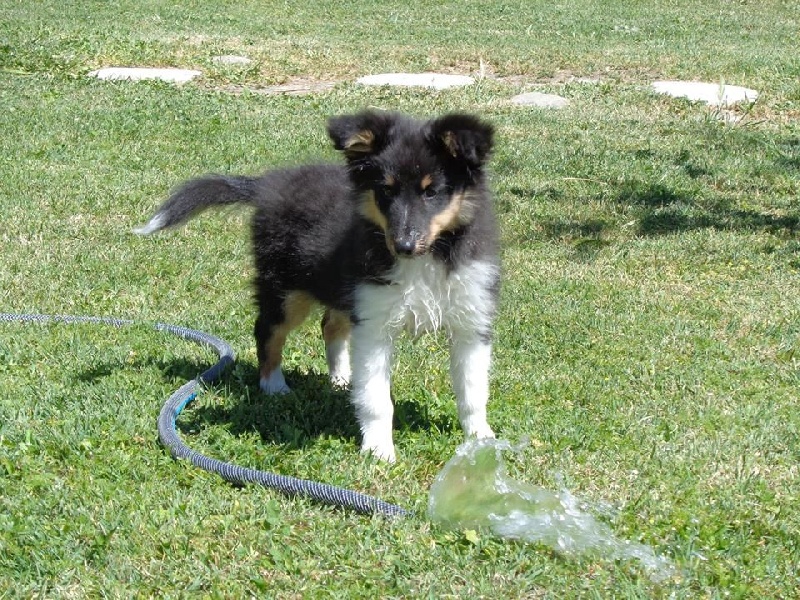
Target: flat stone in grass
[(140, 73), (437, 81), (540, 100), (714, 94)]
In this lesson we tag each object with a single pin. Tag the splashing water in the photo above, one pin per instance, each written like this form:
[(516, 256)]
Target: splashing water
[(473, 490)]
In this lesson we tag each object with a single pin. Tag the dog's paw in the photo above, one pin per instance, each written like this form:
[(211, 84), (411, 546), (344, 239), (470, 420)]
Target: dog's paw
[(338, 358), (271, 388), (478, 429), (379, 448), (340, 379), (274, 384), (384, 454)]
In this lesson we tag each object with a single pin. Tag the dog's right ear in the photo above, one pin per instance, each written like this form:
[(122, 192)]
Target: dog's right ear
[(361, 135)]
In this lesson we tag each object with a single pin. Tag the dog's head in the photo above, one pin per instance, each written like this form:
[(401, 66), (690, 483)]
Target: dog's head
[(416, 179)]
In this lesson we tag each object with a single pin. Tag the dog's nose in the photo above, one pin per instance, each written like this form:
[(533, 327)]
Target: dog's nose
[(405, 245)]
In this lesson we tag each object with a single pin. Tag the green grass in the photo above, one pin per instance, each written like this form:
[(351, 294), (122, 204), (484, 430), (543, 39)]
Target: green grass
[(648, 342)]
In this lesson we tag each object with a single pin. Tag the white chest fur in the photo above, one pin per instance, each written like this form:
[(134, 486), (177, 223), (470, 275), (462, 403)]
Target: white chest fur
[(423, 295)]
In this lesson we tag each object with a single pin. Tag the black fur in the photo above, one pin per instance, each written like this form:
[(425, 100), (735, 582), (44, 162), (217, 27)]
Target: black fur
[(314, 230)]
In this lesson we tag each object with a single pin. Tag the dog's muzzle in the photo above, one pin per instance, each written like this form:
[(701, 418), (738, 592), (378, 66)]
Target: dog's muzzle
[(409, 244), (405, 245)]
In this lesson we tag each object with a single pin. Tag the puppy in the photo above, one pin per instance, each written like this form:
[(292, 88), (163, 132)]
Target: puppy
[(401, 238)]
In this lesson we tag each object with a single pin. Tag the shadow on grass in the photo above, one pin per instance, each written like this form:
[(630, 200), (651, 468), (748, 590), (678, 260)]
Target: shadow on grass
[(174, 370), (314, 408), (657, 209), (661, 211), (690, 201)]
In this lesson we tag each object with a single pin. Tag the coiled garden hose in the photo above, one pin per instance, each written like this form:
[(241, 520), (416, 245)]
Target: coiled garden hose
[(181, 397)]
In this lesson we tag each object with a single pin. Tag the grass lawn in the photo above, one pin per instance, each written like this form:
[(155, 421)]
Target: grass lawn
[(648, 342)]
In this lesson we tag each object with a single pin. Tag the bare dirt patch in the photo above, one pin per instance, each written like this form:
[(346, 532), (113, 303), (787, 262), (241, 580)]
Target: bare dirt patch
[(293, 87)]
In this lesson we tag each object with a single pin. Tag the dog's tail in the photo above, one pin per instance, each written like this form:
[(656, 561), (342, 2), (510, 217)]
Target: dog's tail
[(197, 195)]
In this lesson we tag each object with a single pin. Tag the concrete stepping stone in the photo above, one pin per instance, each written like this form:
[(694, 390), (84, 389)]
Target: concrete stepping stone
[(437, 81), (714, 94), (141, 73), (539, 99)]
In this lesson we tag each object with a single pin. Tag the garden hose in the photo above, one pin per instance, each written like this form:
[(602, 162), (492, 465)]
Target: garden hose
[(181, 397)]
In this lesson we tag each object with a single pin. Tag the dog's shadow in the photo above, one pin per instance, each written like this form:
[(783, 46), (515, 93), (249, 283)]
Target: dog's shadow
[(314, 409)]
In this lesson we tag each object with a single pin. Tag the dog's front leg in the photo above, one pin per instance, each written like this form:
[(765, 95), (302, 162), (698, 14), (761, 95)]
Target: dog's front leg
[(470, 358), (371, 396)]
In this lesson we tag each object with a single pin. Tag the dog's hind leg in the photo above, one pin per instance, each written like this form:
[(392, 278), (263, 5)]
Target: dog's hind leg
[(336, 327), (275, 320)]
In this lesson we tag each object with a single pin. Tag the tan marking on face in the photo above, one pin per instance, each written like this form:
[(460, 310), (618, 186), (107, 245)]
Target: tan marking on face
[(370, 211), (360, 143), (335, 326), (457, 213), (389, 180), (296, 307), (425, 183)]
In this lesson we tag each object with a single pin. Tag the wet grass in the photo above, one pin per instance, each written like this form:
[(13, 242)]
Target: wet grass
[(647, 344)]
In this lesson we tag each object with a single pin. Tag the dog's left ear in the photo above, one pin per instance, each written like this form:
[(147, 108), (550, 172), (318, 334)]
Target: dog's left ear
[(360, 135), (463, 137)]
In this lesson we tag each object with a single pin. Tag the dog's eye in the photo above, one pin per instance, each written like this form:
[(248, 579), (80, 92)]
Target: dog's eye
[(429, 193)]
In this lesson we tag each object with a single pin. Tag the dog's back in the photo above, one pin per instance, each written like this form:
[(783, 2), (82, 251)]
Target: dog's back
[(308, 235)]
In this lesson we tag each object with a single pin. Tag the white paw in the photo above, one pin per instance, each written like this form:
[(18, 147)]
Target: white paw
[(380, 452), (380, 446), (338, 358), (274, 384), (478, 429), (340, 374), (340, 378)]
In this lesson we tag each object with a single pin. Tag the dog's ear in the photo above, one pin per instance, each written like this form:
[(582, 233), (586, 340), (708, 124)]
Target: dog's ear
[(462, 137), (360, 135)]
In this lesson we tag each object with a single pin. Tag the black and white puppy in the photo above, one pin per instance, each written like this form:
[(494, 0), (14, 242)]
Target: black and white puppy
[(402, 238)]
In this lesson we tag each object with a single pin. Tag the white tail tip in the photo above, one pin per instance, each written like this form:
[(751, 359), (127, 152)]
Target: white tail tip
[(156, 223)]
